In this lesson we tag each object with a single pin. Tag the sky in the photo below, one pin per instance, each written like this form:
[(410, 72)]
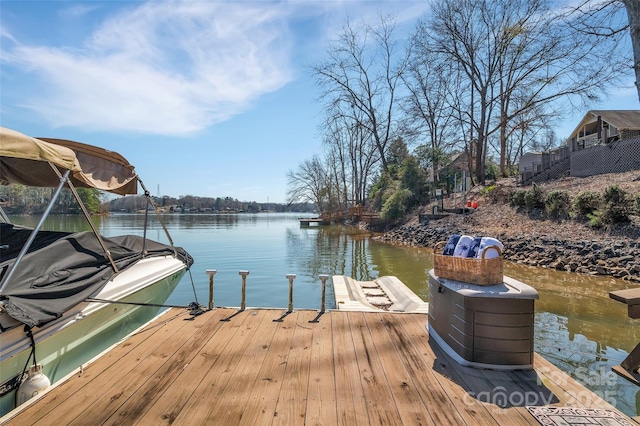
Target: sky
[(206, 98)]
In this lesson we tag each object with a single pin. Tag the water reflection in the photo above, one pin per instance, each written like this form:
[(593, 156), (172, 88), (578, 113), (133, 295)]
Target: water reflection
[(338, 249), (578, 328), (582, 331)]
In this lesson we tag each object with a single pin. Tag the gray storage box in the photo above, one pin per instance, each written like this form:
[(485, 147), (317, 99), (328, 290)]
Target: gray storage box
[(483, 326)]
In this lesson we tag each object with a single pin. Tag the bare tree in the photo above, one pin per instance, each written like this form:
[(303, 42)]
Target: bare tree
[(352, 154), (603, 19), (633, 14), (309, 183), (458, 31), (362, 75), (428, 104), (530, 130), (517, 57)]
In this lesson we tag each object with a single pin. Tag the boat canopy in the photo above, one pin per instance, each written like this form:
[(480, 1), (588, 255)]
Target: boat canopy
[(26, 160), (45, 273)]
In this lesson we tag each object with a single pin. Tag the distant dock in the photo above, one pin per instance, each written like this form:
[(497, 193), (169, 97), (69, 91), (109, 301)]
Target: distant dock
[(307, 221), (345, 368), (350, 215)]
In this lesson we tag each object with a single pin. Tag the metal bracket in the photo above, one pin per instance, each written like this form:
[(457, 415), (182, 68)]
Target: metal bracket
[(629, 367)]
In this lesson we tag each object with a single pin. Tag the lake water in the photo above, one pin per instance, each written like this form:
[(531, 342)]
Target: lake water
[(578, 328)]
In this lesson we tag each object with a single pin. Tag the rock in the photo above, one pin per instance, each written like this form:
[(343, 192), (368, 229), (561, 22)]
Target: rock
[(625, 259)]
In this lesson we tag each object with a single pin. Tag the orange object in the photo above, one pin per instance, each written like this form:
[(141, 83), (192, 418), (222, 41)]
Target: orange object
[(474, 204)]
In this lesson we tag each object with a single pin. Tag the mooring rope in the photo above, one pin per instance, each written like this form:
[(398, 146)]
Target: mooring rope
[(196, 309), (26, 365), (193, 286)]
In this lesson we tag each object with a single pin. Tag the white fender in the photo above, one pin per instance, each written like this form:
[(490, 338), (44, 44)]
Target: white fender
[(35, 383)]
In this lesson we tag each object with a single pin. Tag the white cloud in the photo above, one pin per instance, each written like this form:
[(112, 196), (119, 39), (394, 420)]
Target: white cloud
[(79, 10), (5, 34), (176, 67), (163, 67)]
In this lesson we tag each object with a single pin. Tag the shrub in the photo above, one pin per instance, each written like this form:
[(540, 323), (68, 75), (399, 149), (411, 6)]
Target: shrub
[(491, 171), (497, 194), (586, 202), (557, 204), (534, 197), (395, 206), (516, 197), (595, 219), (487, 189), (616, 205)]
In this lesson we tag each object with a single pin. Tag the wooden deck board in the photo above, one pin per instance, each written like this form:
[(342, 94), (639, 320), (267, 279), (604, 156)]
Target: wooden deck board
[(446, 376), (408, 401), (292, 402), (351, 403), (150, 378), (321, 394), (110, 379), (231, 403), (419, 364), (169, 405), (348, 368), (263, 395), (213, 387), (381, 406)]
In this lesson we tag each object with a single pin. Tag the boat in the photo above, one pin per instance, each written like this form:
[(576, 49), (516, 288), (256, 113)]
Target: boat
[(65, 297)]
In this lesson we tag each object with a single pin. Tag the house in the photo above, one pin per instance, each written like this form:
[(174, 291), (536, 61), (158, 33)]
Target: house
[(530, 161), (458, 162), (602, 126), (603, 142)]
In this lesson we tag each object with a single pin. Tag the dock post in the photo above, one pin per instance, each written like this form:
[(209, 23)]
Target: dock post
[(323, 278), (211, 273), (243, 303), (291, 277)]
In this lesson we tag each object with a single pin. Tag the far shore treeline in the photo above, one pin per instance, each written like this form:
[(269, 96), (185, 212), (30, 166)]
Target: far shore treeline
[(19, 199)]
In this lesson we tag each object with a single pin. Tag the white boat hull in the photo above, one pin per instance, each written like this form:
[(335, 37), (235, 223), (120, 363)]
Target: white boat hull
[(87, 330)]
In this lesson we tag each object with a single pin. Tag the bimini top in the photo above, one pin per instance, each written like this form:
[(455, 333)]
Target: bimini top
[(26, 160)]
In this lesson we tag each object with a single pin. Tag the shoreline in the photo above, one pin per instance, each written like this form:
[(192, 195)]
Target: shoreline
[(618, 259), (532, 239)]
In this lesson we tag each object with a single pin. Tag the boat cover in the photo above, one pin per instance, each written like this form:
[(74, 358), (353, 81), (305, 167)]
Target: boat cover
[(26, 161), (61, 269), (101, 168)]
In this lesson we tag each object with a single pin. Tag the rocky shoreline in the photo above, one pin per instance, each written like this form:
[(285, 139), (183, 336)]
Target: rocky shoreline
[(620, 259), (531, 238)]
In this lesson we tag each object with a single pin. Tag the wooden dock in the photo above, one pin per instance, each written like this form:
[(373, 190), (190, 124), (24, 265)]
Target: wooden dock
[(349, 368), (307, 221)]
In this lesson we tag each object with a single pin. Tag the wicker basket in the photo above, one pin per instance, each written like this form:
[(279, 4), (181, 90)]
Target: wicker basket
[(469, 270)]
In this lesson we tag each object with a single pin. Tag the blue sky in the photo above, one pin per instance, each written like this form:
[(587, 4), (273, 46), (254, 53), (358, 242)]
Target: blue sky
[(206, 98)]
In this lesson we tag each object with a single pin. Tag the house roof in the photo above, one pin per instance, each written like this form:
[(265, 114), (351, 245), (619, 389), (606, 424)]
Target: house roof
[(621, 119)]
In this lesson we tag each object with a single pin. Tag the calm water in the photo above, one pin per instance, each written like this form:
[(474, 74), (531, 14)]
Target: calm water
[(578, 328)]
